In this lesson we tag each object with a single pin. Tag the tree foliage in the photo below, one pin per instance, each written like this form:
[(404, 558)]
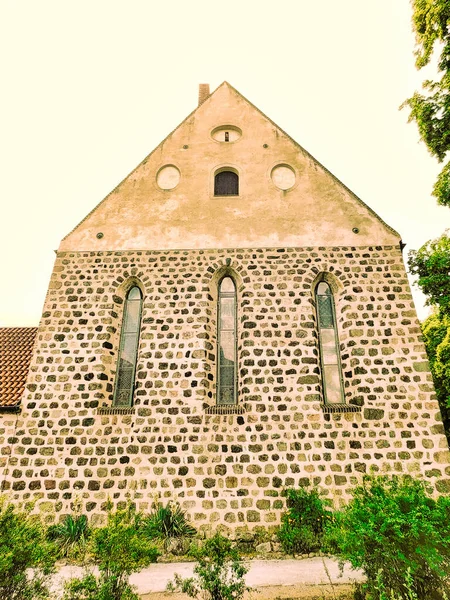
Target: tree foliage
[(431, 109), (23, 547), (391, 528), (431, 264), (436, 335)]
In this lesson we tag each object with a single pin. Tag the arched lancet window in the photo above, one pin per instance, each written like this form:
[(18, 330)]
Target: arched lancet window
[(129, 342), (226, 183), (226, 343), (329, 345)]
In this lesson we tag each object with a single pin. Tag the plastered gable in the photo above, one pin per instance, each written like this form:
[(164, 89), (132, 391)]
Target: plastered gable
[(318, 210)]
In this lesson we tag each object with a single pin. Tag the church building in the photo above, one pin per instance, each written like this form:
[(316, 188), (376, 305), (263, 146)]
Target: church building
[(229, 322)]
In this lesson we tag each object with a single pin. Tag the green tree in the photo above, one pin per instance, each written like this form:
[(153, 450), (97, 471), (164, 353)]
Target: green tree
[(431, 265), (431, 109), (436, 335), (394, 530), (431, 112)]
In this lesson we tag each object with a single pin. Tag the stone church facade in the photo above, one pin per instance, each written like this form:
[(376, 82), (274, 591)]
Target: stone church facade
[(230, 321)]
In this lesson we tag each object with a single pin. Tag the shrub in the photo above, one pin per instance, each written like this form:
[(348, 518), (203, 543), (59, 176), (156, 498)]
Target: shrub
[(166, 523), (70, 536), (218, 575), (119, 549), (302, 524), (23, 546), (398, 535), (93, 588)]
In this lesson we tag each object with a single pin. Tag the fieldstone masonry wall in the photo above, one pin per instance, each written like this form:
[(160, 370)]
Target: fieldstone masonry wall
[(227, 469)]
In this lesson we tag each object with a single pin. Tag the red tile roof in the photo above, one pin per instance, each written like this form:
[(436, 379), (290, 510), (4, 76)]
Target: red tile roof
[(16, 347)]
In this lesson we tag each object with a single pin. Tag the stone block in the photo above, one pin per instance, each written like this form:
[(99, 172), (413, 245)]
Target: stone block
[(264, 548)]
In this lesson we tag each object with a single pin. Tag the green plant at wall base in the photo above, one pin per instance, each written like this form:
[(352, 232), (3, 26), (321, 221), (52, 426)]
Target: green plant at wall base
[(93, 588), (167, 522), (303, 522), (119, 549), (218, 575), (70, 536), (22, 547), (393, 528)]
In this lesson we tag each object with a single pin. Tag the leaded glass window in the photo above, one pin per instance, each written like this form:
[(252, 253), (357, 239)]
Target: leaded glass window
[(226, 343), (329, 345), (129, 341)]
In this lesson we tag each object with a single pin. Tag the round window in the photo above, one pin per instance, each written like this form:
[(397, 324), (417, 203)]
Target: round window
[(168, 177), (283, 176)]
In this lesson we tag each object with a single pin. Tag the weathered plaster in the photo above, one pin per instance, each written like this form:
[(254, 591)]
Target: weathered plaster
[(318, 210)]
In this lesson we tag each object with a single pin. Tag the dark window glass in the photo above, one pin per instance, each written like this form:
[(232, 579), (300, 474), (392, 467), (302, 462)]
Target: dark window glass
[(226, 183), (329, 345), (129, 341), (325, 306), (226, 347)]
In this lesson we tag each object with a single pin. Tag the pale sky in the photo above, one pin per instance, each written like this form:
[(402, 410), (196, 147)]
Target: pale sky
[(90, 87)]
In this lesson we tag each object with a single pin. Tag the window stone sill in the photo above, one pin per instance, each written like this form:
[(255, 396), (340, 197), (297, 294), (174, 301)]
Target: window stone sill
[(232, 409), (116, 410), (340, 408)]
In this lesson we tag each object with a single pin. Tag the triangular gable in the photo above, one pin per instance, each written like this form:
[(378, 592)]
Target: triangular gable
[(318, 210)]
